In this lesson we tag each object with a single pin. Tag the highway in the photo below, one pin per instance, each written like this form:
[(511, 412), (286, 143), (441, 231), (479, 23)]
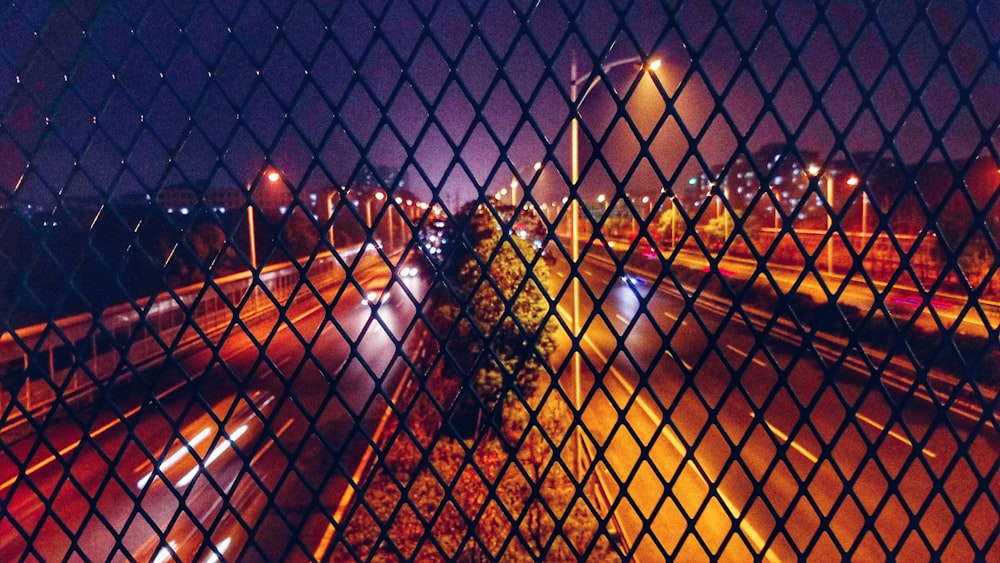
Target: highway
[(714, 439), (725, 443), (238, 451)]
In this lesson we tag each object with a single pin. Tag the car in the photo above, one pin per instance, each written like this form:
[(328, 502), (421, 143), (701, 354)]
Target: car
[(375, 297), (634, 281)]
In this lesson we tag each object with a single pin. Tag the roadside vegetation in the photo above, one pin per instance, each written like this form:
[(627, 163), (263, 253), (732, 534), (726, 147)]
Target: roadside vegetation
[(477, 466)]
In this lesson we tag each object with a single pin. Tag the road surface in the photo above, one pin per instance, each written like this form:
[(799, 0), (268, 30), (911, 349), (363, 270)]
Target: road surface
[(721, 442), (240, 452)]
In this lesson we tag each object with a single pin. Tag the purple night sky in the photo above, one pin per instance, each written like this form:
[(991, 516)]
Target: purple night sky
[(113, 98)]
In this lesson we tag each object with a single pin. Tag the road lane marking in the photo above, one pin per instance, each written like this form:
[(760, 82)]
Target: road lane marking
[(271, 442), (671, 436), (745, 355), (622, 319), (784, 438), (189, 447), (186, 447), (894, 434), (148, 462), (324, 543), (166, 554), (605, 360), (219, 551), (228, 442), (670, 316)]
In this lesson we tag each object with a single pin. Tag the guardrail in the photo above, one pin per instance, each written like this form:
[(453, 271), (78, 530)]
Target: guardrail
[(945, 388), (66, 362)]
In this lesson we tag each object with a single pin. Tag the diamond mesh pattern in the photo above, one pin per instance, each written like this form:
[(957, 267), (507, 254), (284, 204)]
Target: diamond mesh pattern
[(499, 280)]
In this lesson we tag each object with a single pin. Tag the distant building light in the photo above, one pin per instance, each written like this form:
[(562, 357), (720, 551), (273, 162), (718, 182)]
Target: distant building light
[(283, 209), (184, 211)]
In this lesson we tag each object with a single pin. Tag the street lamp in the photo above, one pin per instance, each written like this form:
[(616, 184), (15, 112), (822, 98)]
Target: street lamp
[(272, 176), (777, 203), (815, 171), (514, 184), (585, 84), (329, 214), (853, 181), (379, 195), (673, 221)]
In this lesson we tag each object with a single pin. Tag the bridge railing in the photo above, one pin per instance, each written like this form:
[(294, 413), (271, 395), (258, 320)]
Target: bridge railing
[(53, 365)]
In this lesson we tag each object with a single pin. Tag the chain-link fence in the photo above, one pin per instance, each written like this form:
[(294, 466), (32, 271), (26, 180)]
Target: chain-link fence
[(499, 280)]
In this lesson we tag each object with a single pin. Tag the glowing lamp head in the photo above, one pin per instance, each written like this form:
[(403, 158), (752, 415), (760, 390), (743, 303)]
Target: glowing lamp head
[(273, 176)]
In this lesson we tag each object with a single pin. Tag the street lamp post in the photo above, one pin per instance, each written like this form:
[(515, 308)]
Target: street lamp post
[(272, 176), (253, 237), (329, 214), (777, 220), (586, 83), (853, 181), (673, 221), (514, 184), (814, 171), (829, 223), (379, 195)]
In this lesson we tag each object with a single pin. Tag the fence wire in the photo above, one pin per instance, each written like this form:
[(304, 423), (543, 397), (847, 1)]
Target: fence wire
[(499, 280)]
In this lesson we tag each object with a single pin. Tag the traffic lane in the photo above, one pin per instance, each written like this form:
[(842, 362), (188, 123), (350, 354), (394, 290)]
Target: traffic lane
[(848, 420), (196, 489), (797, 441), (247, 344), (666, 488), (97, 492), (776, 363), (629, 412), (712, 436), (624, 415), (332, 440), (309, 374), (236, 493)]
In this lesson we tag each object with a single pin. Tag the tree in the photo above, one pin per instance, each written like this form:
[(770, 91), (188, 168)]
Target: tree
[(670, 224), (203, 252), (299, 234), (502, 333)]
